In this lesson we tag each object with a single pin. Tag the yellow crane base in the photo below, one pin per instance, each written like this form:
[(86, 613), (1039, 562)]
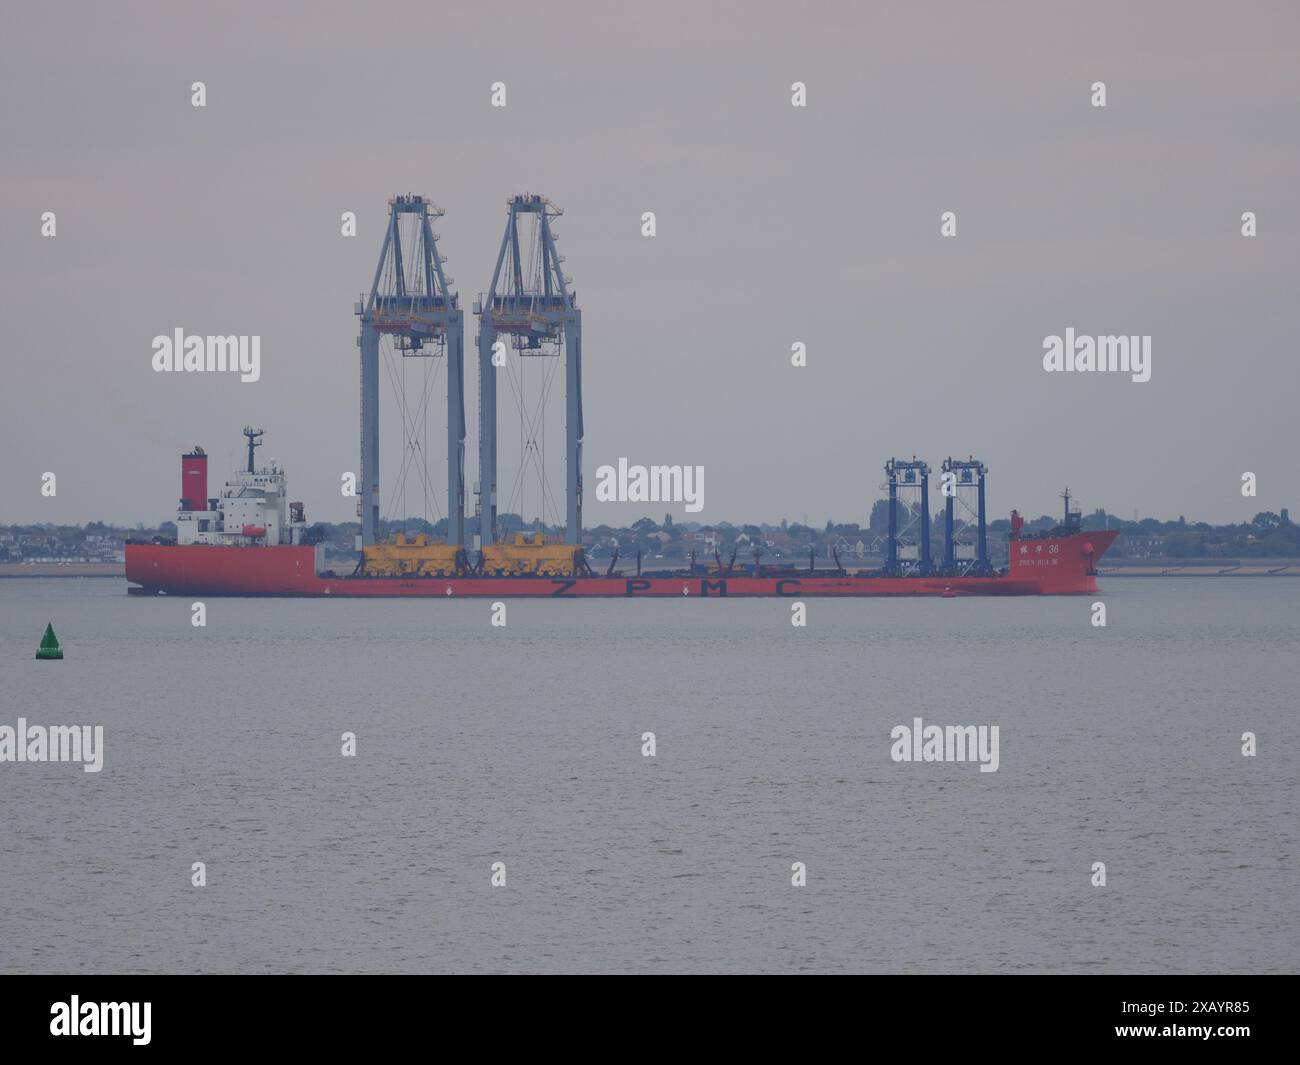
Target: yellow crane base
[(532, 556), (400, 557)]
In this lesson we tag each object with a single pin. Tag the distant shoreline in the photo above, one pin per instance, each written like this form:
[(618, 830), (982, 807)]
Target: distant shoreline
[(1202, 568), (63, 569)]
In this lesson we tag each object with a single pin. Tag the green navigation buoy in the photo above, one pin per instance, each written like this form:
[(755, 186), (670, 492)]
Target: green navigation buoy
[(49, 644)]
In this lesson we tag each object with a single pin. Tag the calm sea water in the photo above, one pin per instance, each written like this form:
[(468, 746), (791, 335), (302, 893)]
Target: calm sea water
[(523, 745)]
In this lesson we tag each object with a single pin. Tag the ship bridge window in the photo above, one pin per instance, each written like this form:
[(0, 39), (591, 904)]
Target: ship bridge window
[(246, 493)]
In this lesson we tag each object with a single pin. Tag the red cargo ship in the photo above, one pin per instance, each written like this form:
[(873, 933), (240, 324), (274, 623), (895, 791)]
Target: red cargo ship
[(242, 544)]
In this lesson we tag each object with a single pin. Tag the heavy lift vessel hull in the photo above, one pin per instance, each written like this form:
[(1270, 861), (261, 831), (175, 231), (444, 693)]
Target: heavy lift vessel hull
[(1063, 565)]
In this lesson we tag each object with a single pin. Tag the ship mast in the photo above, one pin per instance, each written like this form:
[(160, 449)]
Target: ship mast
[(254, 441)]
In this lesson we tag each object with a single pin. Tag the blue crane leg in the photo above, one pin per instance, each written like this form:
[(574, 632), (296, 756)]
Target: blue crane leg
[(573, 430), (456, 430), (487, 433), (369, 433)]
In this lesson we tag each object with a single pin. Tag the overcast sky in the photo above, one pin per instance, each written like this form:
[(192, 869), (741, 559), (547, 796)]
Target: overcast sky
[(775, 225)]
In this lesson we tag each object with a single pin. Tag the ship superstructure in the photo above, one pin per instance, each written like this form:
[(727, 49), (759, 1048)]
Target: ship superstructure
[(251, 509)]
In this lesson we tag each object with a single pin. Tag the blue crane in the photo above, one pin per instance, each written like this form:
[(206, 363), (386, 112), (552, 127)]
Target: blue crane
[(908, 475), (529, 308), (966, 475), (411, 300)]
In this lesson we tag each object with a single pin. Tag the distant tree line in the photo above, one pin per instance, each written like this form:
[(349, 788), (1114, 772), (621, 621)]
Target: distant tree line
[(1266, 535)]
